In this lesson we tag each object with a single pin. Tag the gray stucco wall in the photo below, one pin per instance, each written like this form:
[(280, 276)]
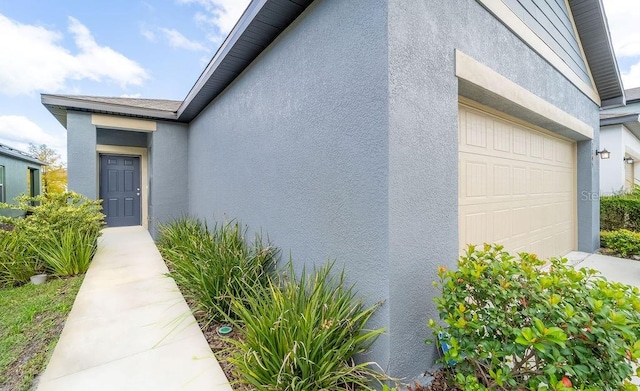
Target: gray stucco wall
[(168, 179), (82, 164), (341, 142), (423, 132), (297, 146)]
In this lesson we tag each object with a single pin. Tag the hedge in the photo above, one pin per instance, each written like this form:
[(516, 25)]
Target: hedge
[(620, 212)]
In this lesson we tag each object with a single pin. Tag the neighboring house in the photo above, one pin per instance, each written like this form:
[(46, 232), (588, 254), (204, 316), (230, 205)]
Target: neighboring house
[(620, 135), (19, 174), (386, 134)]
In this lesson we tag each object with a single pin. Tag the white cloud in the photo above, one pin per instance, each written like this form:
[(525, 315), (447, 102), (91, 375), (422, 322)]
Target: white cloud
[(148, 34), (631, 78), (17, 132), (623, 16), (40, 63), (223, 14), (179, 41)]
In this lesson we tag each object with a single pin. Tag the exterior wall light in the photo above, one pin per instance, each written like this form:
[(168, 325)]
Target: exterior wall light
[(604, 154), (628, 160)]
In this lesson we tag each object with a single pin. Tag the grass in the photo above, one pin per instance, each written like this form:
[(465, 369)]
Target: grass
[(31, 319)]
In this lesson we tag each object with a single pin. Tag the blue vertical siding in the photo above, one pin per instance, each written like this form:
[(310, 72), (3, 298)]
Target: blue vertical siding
[(549, 20)]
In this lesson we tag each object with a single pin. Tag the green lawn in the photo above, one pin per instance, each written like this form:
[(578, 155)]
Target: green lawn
[(31, 320)]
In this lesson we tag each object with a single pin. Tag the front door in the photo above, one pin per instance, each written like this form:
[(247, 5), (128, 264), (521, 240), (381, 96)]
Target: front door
[(120, 189)]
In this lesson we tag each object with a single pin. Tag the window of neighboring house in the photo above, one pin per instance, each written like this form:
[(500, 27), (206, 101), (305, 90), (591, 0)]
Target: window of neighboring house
[(2, 193)]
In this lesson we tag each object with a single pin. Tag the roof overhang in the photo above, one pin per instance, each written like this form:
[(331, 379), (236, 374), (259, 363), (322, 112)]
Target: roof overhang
[(16, 154), (629, 121), (592, 26), (59, 105), (260, 24)]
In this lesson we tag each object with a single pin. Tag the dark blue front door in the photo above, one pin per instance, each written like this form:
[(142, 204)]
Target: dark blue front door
[(120, 189)]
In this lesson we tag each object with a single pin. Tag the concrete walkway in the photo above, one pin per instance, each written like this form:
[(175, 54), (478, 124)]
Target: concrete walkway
[(626, 271), (130, 328)]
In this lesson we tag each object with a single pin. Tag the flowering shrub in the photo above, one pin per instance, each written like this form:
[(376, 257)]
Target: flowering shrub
[(514, 324)]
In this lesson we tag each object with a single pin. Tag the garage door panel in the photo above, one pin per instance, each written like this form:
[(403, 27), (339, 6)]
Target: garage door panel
[(516, 186)]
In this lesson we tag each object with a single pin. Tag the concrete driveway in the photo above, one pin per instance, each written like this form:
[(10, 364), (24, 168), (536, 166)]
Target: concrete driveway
[(626, 271)]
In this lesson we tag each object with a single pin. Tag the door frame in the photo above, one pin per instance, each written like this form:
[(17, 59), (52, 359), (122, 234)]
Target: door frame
[(102, 149)]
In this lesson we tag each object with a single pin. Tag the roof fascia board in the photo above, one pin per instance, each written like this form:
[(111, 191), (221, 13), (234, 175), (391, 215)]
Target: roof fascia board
[(245, 20), (22, 157), (622, 120), (53, 100)]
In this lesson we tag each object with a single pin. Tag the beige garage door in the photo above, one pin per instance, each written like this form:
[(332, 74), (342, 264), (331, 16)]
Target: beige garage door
[(517, 185)]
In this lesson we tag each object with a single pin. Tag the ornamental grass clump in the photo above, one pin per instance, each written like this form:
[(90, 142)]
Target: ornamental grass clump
[(520, 323), (213, 266), (303, 334)]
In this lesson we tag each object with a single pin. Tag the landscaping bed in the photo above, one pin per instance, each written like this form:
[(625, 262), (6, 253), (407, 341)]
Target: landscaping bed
[(31, 320)]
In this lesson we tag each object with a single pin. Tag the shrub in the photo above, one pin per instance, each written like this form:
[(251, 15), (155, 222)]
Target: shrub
[(61, 229), (16, 262), (212, 267), (303, 335), (622, 242), (513, 325), (620, 212), (56, 212), (67, 253)]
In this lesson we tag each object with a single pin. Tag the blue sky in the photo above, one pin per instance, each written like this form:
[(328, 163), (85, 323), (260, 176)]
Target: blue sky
[(148, 49)]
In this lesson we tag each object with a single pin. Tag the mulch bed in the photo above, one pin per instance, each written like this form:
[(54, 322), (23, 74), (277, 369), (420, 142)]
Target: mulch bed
[(441, 382), (222, 349)]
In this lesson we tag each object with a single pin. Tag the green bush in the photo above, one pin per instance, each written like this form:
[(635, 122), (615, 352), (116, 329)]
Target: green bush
[(17, 263), (67, 253), (303, 335), (61, 229), (212, 267), (513, 325), (620, 212), (56, 212), (622, 242)]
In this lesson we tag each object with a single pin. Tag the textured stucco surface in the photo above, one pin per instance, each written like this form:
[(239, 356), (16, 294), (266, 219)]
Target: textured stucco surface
[(297, 146), (82, 161), (168, 179)]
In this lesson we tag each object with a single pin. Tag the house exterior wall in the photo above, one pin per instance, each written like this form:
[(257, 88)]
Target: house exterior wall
[(297, 145), (82, 162), (340, 141), (618, 140), (15, 180), (168, 179), (166, 154)]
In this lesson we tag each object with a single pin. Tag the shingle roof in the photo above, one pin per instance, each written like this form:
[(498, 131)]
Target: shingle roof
[(15, 153), (162, 109), (633, 94), (153, 104)]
